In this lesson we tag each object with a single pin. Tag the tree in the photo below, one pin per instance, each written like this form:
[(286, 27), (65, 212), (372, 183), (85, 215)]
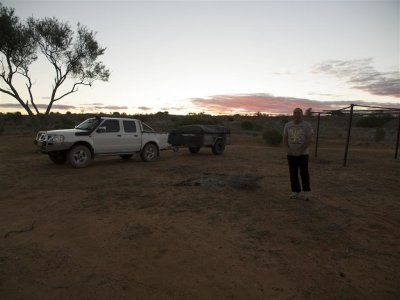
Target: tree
[(308, 112), (72, 56)]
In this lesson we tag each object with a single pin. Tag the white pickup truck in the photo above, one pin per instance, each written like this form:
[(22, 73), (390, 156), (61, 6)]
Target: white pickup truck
[(102, 136)]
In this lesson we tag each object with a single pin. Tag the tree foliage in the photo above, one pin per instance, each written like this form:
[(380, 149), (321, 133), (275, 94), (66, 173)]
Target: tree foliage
[(73, 55)]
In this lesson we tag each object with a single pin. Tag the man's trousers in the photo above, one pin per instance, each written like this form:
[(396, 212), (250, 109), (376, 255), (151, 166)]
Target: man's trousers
[(296, 164)]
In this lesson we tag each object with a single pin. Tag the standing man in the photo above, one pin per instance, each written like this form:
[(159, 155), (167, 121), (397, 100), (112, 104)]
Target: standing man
[(297, 136)]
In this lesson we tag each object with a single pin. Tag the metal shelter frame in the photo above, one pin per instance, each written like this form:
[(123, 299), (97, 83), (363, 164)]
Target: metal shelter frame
[(352, 110)]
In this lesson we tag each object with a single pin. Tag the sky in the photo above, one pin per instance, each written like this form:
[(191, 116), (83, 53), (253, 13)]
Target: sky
[(228, 57)]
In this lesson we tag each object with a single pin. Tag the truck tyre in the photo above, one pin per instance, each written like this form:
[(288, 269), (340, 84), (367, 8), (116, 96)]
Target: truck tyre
[(79, 156), (58, 158), (218, 147), (194, 149), (126, 156), (149, 152)]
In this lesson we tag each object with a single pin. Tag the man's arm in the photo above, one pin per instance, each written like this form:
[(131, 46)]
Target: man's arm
[(285, 141)]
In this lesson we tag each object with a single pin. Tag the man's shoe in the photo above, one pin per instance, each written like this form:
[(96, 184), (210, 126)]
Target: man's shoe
[(294, 195), (307, 195)]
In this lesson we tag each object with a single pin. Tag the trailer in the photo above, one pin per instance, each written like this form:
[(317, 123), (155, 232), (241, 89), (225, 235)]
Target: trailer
[(195, 137)]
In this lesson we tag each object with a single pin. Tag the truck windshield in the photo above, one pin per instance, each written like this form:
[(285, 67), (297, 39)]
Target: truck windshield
[(89, 124)]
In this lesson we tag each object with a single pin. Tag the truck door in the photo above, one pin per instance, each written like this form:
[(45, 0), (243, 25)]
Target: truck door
[(131, 136), (108, 137)]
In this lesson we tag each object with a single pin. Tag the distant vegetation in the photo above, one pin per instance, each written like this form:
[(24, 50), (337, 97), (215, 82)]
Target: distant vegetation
[(202, 119), (373, 121), (267, 128)]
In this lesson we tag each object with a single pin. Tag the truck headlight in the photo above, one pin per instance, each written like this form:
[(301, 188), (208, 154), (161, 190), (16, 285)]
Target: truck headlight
[(55, 139)]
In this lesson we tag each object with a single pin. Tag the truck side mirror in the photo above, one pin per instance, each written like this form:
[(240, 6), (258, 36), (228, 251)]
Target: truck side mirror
[(101, 129)]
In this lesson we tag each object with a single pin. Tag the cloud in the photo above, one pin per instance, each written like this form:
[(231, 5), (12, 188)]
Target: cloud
[(39, 106), (10, 105), (111, 107), (101, 106), (93, 104), (68, 107), (361, 75), (145, 108), (267, 103), (173, 108)]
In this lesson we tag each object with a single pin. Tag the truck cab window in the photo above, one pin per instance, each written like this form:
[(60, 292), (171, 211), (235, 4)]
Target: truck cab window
[(111, 125), (129, 126)]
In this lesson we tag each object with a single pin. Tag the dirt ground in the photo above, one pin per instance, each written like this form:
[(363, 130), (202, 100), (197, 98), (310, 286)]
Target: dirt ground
[(186, 227)]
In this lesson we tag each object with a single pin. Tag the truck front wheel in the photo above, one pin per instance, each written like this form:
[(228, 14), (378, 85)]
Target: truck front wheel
[(79, 156), (149, 152)]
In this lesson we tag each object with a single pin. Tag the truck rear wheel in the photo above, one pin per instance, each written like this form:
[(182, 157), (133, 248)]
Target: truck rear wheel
[(218, 147), (79, 156), (59, 157), (149, 152)]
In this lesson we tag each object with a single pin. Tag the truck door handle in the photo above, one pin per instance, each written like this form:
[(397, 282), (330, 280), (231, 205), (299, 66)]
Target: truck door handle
[(119, 135), (135, 135)]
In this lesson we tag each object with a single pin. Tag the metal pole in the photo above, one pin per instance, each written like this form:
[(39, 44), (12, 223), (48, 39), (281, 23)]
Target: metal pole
[(316, 142), (397, 142), (348, 135)]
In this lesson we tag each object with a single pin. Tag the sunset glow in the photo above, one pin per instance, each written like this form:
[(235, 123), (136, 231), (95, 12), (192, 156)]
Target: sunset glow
[(228, 57)]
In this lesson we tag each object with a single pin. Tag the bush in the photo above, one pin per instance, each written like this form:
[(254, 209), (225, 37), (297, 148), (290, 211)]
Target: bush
[(14, 117), (247, 125), (272, 137)]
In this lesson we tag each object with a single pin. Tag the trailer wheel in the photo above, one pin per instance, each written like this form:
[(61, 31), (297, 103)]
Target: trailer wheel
[(218, 147), (149, 152), (79, 156), (194, 150)]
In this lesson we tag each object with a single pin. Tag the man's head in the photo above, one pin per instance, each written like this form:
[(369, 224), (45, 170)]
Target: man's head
[(297, 115)]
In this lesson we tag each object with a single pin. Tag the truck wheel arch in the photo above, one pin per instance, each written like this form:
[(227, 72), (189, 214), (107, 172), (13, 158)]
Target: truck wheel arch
[(84, 144)]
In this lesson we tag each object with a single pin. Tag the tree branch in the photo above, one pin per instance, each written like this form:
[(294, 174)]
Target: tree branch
[(7, 92), (72, 90), (30, 92)]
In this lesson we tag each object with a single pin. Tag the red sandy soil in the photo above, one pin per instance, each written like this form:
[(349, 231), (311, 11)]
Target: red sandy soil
[(129, 230)]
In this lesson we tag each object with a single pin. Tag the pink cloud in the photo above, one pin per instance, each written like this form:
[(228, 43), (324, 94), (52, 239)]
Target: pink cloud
[(269, 104)]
